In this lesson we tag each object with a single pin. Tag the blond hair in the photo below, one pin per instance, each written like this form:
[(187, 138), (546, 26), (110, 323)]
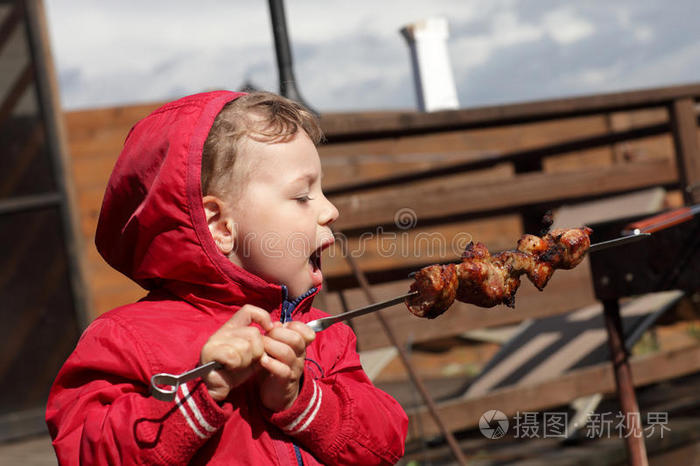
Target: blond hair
[(261, 116)]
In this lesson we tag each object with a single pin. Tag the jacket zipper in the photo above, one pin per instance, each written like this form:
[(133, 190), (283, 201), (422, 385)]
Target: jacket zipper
[(287, 309)]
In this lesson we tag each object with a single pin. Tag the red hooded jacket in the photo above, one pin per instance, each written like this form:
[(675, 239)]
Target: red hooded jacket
[(152, 228)]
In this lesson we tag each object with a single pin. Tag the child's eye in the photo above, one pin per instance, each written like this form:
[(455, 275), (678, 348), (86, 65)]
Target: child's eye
[(303, 199)]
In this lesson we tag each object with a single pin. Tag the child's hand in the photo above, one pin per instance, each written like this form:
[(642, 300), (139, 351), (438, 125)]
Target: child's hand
[(239, 347), (286, 347)]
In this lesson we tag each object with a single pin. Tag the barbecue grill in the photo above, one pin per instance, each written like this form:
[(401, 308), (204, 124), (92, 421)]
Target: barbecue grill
[(668, 259)]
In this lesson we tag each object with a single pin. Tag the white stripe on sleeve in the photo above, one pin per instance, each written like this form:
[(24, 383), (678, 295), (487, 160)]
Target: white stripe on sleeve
[(186, 415), (313, 414), (195, 410), (296, 421)]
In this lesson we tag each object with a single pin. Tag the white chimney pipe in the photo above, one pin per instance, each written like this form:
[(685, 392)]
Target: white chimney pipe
[(432, 73)]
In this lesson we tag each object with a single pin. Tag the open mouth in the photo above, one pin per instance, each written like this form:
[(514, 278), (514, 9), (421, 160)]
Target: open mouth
[(315, 262), (315, 259)]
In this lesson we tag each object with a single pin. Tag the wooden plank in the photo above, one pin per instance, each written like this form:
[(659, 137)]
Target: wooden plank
[(9, 24), (22, 425), (89, 123), (106, 300), (20, 336), (105, 278), (449, 197), (622, 121), (524, 160), (463, 413), (48, 94), (92, 173), (634, 150), (685, 137), (342, 171), (89, 205), (566, 291), (104, 143), (578, 160), (31, 148), (343, 127), (19, 87), (476, 141)]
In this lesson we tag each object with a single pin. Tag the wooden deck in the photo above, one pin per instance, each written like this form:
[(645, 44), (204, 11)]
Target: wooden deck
[(679, 445), (30, 451)]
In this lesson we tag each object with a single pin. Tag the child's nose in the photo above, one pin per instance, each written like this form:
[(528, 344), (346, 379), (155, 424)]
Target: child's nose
[(329, 214)]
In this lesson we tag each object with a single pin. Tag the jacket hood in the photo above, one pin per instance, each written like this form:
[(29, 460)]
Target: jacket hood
[(152, 226)]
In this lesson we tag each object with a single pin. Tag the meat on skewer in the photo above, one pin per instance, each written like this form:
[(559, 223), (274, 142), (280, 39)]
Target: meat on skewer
[(486, 280)]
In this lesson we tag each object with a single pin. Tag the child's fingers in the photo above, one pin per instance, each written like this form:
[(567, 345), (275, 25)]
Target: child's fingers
[(236, 354), (290, 338), (225, 380), (236, 349), (281, 351), (239, 357), (238, 346), (302, 329), (248, 314), (229, 345), (276, 367)]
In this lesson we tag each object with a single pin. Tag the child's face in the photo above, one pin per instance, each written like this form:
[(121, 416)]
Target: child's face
[(281, 219)]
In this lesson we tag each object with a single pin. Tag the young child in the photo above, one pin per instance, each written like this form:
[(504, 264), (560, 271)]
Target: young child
[(215, 206)]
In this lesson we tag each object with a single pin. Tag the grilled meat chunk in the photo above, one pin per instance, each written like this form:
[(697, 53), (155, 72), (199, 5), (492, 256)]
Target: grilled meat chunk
[(437, 287), (486, 280)]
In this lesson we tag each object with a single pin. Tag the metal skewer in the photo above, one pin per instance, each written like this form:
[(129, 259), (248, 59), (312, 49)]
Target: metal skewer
[(172, 382), (325, 322), (593, 247), (618, 241)]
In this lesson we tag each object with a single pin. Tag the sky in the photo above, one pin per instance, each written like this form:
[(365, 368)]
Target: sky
[(350, 56)]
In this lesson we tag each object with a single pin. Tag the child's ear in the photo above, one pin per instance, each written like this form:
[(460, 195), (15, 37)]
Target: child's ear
[(221, 226)]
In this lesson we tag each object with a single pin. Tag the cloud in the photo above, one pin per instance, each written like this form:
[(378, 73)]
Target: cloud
[(566, 27), (350, 56)]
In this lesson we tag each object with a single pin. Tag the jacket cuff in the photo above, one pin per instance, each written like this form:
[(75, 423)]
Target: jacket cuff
[(196, 416), (198, 410), (190, 421), (309, 410)]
